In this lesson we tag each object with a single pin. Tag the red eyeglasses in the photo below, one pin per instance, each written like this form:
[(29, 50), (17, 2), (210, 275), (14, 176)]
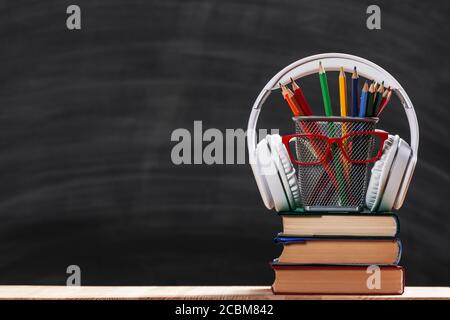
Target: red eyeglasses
[(358, 147)]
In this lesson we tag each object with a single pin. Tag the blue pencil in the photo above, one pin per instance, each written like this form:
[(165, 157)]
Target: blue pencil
[(355, 79), (363, 104)]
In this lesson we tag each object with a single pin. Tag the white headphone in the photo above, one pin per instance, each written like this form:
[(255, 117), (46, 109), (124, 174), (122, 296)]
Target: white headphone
[(272, 167)]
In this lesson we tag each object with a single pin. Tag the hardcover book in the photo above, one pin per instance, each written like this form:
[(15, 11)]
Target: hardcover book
[(346, 225), (337, 280), (363, 251)]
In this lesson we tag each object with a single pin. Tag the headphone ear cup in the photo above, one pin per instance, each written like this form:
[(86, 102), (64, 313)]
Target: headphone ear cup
[(380, 173), (396, 176), (262, 158), (272, 188), (288, 171), (285, 173), (406, 180)]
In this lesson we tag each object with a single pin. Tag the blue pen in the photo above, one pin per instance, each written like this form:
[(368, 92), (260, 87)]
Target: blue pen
[(363, 104), (355, 79)]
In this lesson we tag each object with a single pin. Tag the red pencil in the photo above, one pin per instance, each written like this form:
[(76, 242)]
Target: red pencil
[(300, 97), (385, 101), (288, 95)]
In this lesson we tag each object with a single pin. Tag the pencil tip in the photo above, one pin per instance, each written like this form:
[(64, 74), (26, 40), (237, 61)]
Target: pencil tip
[(294, 85), (321, 69), (355, 73)]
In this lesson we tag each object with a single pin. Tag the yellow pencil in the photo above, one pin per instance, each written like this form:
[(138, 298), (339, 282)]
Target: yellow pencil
[(344, 113), (343, 92)]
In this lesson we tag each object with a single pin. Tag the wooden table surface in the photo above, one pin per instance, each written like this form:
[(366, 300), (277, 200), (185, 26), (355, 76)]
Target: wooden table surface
[(198, 293)]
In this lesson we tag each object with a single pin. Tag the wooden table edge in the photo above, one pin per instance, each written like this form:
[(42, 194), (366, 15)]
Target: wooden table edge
[(197, 293)]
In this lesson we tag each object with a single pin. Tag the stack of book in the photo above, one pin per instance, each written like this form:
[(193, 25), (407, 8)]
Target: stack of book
[(338, 254)]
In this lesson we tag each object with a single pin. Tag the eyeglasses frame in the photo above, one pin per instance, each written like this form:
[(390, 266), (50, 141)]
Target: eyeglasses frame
[(381, 134)]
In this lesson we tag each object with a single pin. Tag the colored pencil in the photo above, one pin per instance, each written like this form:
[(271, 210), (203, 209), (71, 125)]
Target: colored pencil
[(374, 103), (378, 99), (325, 91), (383, 99), (289, 97), (300, 97), (363, 103), (355, 95), (370, 96), (384, 104), (344, 113), (331, 132), (375, 86), (343, 93)]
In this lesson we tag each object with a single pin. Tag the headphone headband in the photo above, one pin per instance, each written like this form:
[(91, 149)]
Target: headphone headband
[(332, 62)]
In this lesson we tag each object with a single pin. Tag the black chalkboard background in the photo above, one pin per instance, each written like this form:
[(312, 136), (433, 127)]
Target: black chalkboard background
[(86, 119)]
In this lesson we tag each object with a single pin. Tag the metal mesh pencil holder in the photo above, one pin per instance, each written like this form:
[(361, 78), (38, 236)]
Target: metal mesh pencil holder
[(329, 170)]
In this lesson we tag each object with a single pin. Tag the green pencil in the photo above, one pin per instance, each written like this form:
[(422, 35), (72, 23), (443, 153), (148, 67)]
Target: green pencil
[(332, 132), (325, 91)]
